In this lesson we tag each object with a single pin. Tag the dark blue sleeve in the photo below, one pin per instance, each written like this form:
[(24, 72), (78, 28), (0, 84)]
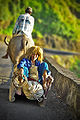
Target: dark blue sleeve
[(22, 63), (37, 63), (44, 66)]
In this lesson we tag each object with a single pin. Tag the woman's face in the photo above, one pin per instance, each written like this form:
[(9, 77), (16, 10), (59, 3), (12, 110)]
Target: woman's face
[(34, 57)]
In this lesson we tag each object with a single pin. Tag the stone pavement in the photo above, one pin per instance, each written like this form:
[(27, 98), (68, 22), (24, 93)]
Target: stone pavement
[(5, 67), (24, 109)]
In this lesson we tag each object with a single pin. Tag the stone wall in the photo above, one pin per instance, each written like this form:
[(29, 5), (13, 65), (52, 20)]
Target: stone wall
[(66, 84)]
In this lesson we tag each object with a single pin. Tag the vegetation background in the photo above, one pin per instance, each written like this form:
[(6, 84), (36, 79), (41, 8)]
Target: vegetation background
[(57, 25)]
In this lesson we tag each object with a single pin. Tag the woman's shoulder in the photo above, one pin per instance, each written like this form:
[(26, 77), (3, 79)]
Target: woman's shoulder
[(44, 63), (25, 59)]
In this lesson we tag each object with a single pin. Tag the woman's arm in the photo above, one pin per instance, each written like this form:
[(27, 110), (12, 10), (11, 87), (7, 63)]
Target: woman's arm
[(44, 79)]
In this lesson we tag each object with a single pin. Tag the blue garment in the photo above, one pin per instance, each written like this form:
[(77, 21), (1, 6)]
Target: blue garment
[(26, 64)]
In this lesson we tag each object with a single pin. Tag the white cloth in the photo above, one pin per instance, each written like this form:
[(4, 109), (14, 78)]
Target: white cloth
[(25, 24)]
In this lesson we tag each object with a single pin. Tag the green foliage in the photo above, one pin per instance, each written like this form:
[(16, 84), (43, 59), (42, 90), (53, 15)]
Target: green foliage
[(8, 30), (70, 62), (67, 17), (51, 16), (4, 11), (75, 67)]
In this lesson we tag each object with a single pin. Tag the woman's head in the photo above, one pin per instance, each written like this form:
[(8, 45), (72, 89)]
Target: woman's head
[(35, 51)]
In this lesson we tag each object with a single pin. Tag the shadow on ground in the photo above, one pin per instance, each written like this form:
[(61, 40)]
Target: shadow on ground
[(23, 108)]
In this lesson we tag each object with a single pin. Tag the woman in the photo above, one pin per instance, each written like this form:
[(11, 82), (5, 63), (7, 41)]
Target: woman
[(34, 68)]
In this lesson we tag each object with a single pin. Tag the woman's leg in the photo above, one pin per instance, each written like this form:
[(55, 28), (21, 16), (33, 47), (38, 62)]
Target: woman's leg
[(12, 91)]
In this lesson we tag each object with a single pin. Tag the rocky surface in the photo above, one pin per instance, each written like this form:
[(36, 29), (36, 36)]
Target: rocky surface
[(66, 84)]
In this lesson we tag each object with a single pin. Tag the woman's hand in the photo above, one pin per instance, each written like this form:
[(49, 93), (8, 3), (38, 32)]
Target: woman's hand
[(21, 71), (44, 80)]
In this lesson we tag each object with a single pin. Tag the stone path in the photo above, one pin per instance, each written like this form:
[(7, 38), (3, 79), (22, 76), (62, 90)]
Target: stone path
[(5, 67)]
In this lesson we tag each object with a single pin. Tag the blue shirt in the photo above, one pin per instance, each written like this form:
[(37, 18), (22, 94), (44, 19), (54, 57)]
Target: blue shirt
[(26, 64)]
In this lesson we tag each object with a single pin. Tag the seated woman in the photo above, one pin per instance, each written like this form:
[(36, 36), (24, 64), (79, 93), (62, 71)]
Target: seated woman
[(35, 69)]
